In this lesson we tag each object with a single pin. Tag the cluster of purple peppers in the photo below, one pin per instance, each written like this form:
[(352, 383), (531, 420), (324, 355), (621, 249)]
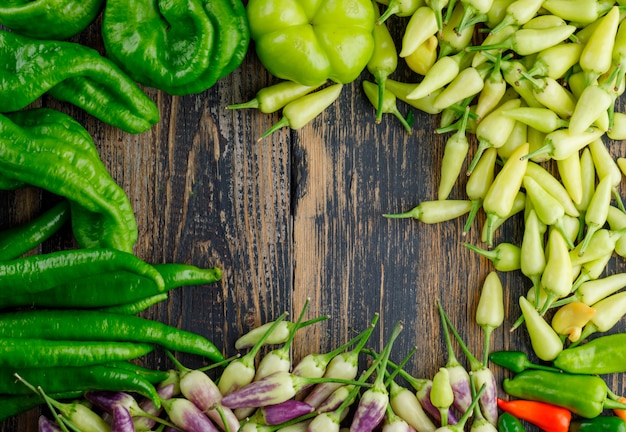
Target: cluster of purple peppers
[(314, 395)]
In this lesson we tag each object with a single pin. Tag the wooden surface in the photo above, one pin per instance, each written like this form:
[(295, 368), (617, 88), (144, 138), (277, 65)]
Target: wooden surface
[(297, 215)]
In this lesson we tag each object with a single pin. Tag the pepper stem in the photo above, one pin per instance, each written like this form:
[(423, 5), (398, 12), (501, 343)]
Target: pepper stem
[(475, 364), (283, 122), (254, 103)]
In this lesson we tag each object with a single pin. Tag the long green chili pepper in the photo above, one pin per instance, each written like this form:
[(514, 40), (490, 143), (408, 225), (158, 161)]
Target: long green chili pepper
[(80, 378), (137, 306), (599, 424), (18, 240), (42, 272), (88, 325), (67, 165), (38, 352), (73, 73), (114, 288), (602, 355), (584, 395)]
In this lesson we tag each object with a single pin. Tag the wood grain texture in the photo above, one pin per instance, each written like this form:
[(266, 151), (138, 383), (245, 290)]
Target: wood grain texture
[(296, 216)]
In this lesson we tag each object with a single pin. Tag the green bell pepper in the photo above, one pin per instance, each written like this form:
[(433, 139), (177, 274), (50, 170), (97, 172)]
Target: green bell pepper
[(312, 41), (74, 73), (49, 19), (181, 47)]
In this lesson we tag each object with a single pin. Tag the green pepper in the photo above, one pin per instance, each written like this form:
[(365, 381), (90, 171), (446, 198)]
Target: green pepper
[(509, 423), (48, 149), (180, 47), (49, 19), (73, 73), (599, 424), (584, 395), (314, 41), (20, 239), (114, 288), (604, 354)]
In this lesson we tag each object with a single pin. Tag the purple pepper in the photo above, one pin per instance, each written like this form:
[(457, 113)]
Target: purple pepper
[(187, 416), (107, 400), (285, 411), (423, 395), (335, 400), (370, 410), (200, 389), (488, 400), (344, 366), (47, 425), (122, 420), (274, 389), (143, 423)]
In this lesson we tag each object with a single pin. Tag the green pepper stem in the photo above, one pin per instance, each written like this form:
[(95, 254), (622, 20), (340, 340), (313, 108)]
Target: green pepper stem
[(254, 103), (475, 364), (283, 122)]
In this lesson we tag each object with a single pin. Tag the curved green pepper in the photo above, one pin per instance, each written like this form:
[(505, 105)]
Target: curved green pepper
[(74, 73), (180, 47), (584, 395), (312, 41), (48, 149), (49, 19), (599, 424)]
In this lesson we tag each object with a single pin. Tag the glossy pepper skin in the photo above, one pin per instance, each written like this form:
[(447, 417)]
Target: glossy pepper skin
[(313, 41), (602, 355), (584, 395), (49, 19), (45, 148), (74, 73), (180, 47), (599, 424)]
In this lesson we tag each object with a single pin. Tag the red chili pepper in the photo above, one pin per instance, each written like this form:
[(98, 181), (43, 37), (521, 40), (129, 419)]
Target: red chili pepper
[(548, 417)]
